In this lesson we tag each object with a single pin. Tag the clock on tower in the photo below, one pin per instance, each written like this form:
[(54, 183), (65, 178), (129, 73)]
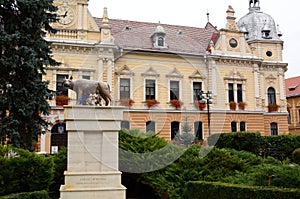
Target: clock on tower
[(65, 14)]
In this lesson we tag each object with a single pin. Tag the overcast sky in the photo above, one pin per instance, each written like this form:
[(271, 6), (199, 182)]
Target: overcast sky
[(193, 13)]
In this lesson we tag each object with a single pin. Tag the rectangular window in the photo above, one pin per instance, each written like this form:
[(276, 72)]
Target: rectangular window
[(150, 126), (230, 92), (274, 128), (197, 88), (60, 89), (150, 89), (86, 77), (124, 88), (239, 93), (125, 124), (242, 126), (198, 128), (299, 116), (233, 126), (174, 90)]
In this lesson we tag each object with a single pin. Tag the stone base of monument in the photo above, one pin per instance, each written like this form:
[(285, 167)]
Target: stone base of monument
[(93, 153)]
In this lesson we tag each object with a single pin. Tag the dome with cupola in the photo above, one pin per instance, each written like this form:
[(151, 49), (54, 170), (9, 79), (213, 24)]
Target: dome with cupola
[(258, 25)]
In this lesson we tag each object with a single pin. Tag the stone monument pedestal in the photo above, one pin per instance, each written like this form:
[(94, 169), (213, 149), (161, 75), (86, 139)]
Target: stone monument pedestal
[(93, 153)]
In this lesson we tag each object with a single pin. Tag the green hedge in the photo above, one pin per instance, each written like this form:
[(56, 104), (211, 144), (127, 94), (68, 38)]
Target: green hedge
[(24, 172), (60, 166), (216, 190), (28, 195), (279, 147), (238, 141)]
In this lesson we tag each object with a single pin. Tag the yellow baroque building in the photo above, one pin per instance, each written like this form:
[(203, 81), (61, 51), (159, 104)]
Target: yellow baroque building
[(240, 63)]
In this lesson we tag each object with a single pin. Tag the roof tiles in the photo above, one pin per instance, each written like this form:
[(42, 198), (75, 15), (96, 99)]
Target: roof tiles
[(292, 86), (134, 35)]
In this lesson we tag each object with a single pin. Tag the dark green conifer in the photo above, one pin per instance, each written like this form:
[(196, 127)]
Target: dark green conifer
[(24, 55)]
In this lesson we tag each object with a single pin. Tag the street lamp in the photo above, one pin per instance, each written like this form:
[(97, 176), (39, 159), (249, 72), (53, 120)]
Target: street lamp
[(206, 98)]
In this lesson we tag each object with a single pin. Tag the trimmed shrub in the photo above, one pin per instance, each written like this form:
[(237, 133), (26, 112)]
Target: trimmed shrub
[(208, 190), (60, 166), (296, 156), (197, 163), (245, 141), (279, 147), (143, 152), (24, 171), (28, 195)]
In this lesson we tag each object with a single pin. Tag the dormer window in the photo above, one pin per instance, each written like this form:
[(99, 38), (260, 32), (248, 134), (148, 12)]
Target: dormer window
[(160, 42), (266, 31), (159, 37), (266, 34)]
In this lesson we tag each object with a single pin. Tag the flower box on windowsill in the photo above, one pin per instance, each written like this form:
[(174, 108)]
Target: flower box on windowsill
[(242, 105), (61, 100), (232, 105), (176, 103), (151, 103), (200, 105), (273, 107), (126, 102)]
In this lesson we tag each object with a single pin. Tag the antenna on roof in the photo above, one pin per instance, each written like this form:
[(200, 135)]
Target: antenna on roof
[(207, 14)]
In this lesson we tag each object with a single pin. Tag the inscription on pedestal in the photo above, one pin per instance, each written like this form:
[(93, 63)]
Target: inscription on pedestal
[(91, 180)]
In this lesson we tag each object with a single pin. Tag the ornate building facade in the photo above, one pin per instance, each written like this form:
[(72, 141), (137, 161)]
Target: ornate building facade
[(293, 103), (240, 63)]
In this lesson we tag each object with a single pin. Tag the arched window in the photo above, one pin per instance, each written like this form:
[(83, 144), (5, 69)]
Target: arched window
[(125, 124), (160, 41), (233, 126), (150, 126), (198, 129), (271, 95), (174, 129), (274, 128)]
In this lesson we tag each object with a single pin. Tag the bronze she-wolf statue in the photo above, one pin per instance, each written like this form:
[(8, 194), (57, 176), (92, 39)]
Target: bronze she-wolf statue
[(85, 88)]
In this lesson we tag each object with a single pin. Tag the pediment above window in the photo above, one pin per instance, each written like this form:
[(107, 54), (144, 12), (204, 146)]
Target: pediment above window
[(197, 75), (150, 72), (125, 70), (235, 75), (174, 74)]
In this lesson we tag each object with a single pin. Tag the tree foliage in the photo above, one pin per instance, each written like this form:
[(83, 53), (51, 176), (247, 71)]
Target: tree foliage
[(24, 54)]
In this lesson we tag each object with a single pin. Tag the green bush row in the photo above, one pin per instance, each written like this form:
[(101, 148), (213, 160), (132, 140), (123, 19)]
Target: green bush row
[(24, 171), (28, 195), (194, 163), (217, 190), (279, 147)]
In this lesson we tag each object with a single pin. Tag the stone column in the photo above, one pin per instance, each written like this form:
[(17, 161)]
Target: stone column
[(100, 69), (93, 153), (109, 71)]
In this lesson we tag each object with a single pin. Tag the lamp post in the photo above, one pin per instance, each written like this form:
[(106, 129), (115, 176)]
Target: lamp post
[(208, 100)]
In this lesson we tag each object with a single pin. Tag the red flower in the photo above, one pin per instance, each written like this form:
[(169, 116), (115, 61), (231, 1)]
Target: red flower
[(200, 105), (126, 102), (151, 102), (176, 103)]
